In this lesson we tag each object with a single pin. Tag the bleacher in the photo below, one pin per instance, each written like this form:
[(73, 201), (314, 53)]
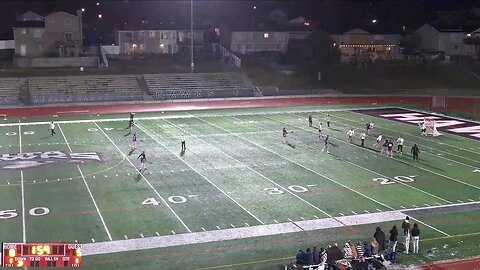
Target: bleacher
[(198, 85), (10, 90), (68, 89)]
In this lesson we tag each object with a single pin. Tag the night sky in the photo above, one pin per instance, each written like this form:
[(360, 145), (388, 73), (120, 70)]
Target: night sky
[(333, 16)]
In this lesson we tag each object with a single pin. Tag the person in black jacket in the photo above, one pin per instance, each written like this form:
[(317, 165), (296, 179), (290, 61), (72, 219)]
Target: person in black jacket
[(379, 235), (415, 237), (393, 238)]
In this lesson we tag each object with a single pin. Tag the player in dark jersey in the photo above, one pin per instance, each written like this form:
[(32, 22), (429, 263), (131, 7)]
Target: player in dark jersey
[(134, 140), (325, 148), (285, 135), (310, 120), (131, 122), (143, 159), (384, 147), (368, 128), (415, 151), (390, 149)]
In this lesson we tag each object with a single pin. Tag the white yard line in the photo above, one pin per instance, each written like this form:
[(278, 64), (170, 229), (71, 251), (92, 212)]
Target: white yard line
[(356, 165), (313, 171), (196, 171), (422, 168), (448, 153), (24, 229), (144, 178), (258, 173), (125, 119), (88, 188), (419, 137)]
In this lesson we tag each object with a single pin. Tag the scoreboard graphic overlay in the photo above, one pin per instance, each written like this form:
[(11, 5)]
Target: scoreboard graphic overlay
[(41, 255)]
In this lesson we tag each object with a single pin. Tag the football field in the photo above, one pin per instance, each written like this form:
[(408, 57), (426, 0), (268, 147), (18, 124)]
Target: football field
[(237, 178)]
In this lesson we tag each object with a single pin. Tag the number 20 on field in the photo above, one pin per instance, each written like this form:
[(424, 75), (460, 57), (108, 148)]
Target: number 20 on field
[(397, 179)]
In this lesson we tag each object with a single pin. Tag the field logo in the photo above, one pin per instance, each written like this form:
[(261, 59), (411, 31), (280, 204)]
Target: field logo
[(36, 159)]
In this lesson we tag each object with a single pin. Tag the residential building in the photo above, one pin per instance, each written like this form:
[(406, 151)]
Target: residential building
[(185, 38), (253, 41), (147, 41), (449, 41), (58, 33), (358, 44)]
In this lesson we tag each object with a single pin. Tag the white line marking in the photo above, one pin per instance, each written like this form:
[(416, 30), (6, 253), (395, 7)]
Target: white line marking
[(218, 228), (438, 203), (471, 200), (403, 207), (203, 229), (157, 233), (141, 235), (93, 240), (459, 201), (290, 220), (24, 229), (414, 206), (315, 172), (192, 196), (204, 177), (359, 166), (275, 221), (231, 225), (126, 238), (302, 218), (144, 178), (246, 224), (341, 214), (366, 211), (378, 210), (426, 204), (88, 188), (315, 216), (353, 212)]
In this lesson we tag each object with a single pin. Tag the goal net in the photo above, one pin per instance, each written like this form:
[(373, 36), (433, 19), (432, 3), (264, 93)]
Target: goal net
[(431, 128)]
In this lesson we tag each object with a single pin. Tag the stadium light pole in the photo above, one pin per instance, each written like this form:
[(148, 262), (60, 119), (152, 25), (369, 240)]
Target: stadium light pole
[(192, 64)]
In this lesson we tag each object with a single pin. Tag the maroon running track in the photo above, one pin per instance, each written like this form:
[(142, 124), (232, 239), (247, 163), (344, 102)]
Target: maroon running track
[(470, 264), (210, 104)]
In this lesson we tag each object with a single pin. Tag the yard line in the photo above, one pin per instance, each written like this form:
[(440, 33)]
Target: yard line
[(88, 188), (24, 229), (146, 180), (315, 172), (195, 170), (416, 166), (359, 166), (423, 138), (256, 172)]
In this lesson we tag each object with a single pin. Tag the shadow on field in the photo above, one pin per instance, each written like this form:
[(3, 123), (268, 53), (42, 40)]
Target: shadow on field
[(131, 151), (46, 137), (128, 134), (137, 178), (291, 145), (182, 153)]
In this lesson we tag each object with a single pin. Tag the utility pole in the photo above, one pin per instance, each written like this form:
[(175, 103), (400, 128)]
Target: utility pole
[(192, 64)]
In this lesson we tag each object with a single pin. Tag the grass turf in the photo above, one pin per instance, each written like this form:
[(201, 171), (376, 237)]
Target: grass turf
[(236, 172)]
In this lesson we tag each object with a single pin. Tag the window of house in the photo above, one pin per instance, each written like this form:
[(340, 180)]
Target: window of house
[(68, 21), (142, 33), (152, 34), (128, 34), (24, 30), (68, 36), (162, 36), (265, 35), (37, 33)]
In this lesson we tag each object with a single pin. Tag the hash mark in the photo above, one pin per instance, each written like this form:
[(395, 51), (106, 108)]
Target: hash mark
[(366, 211), (471, 200), (203, 229), (142, 235), (93, 240), (275, 221), (157, 233), (93, 176), (311, 185), (403, 207), (302, 218), (341, 214), (232, 225), (315, 216), (218, 227), (124, 236), (246, 224), (46, 180), (438, 203), (191, 196), (459, 201), (414, 206), (379, 210), (354, 213), (290, 220), (426, 204), (173, 232), (34, 181)]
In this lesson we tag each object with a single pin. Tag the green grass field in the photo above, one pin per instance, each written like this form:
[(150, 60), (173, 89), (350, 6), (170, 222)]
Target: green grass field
[(236, 174)]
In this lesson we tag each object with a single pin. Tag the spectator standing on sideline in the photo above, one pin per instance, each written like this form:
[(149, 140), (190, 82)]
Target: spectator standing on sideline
[(327, 118), (379, 235), (415, 237), (415, 151), (52, 128), (393, 238), (406, 234), (347, 252), (374, 245), (310, 120)]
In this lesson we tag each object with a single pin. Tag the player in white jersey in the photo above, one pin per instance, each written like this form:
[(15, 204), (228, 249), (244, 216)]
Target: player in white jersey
[(424, 129), (379, 140), (320, 128), (327, 119), (363, 136), (350, 134), (400, 142), (52, 128)]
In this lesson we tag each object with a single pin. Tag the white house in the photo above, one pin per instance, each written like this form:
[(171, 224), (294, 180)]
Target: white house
[(253, 41), (147, 41), (358, 44), (449, 41)]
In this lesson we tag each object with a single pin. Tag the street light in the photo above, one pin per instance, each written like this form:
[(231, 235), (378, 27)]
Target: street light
[(98, 3), (99, 16), (374, 21), (192, 64), (83, 9)]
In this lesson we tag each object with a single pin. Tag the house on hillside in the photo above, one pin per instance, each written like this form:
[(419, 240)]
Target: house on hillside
[(449, 41), (147, 41), (360, 45), (185, 39), (253, 40), (58, 33)]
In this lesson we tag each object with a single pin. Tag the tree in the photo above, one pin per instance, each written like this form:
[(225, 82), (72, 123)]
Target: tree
[(316, 51)]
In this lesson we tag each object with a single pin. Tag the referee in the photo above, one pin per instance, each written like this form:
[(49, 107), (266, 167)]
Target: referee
[(415, 151)]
